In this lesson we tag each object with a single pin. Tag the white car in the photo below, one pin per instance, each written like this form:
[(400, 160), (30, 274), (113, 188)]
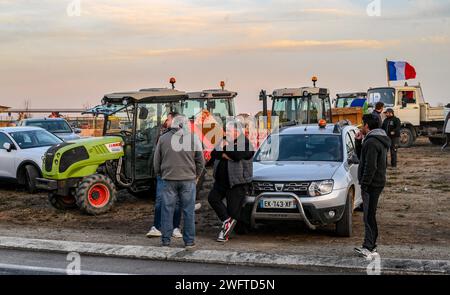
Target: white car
[(21, 152)]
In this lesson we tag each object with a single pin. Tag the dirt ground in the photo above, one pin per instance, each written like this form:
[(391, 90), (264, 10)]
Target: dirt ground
[(413, 215)]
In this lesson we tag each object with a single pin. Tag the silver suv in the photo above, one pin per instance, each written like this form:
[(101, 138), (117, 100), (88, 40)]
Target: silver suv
[(307, 173)]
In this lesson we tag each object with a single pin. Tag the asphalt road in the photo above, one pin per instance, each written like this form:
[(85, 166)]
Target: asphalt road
[(14, 262)]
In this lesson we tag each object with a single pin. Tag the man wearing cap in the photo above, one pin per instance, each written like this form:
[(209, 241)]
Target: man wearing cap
[(392, 126)]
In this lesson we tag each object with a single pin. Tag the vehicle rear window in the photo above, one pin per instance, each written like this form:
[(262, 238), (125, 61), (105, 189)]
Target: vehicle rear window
[(52, 126), (34, 139), (301, 147)]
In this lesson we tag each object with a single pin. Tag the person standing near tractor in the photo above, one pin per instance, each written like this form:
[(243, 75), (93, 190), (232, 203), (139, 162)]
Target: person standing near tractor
[(379, 107), (233, 172), (391, 125), (155, 230), (179, 161)]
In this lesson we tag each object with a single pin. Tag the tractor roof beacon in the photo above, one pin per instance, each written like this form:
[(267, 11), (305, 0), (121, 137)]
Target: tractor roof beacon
[(87, 173)]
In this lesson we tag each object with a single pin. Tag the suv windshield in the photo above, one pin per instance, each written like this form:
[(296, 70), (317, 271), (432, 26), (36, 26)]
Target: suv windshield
[(34, 139), (301, 147), (386, 95), (53, 126)]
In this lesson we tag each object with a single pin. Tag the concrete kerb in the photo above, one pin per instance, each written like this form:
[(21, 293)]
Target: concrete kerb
[(339, 264)]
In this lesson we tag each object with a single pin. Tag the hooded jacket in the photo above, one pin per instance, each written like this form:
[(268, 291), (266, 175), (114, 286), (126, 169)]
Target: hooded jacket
[(239, 170), (372, 153), (178, 156)]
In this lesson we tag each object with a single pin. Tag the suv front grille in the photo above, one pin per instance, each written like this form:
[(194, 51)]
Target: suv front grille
[(298, 188)]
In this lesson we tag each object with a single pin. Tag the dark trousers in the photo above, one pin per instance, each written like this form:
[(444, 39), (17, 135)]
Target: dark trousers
[(370, 204), (393, 150), (234, 197)]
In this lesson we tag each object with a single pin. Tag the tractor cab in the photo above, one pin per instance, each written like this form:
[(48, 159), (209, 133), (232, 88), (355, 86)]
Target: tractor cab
[(305, 105), (208, 111)]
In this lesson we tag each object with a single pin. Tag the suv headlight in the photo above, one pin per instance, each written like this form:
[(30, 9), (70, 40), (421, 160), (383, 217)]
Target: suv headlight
[(320, 188)]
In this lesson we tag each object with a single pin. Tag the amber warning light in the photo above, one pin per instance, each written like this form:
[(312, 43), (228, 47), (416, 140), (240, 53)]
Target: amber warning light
[(322, 123), (173, 81)]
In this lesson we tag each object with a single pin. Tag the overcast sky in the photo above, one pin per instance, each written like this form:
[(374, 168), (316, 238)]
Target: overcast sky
[(53, 59)]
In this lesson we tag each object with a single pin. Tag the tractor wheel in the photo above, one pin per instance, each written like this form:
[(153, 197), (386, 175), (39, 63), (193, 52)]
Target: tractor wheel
[(406, 138), (96, 194), (62, 202), (31, 173)]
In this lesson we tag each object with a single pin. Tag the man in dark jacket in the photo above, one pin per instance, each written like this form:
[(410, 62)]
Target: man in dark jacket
[(379, 107), (233, 171), (372, 145), (391, 125)]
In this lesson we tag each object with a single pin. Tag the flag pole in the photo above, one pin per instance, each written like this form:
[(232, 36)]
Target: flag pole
[(387, 73)]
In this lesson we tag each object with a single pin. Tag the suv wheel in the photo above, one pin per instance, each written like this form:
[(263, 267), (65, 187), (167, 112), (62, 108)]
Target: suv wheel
[(96, 194), (344, 227), (31, 173)]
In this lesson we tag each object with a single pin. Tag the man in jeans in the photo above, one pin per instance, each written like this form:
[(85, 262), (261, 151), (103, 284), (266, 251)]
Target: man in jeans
[(372, 145), (233, 171), (179, 161), (155, 231)]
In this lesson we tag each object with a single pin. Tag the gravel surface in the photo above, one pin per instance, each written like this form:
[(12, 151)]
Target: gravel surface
[(413, 215)]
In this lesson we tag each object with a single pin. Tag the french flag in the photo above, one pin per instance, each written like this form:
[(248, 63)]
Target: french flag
[(400, 70)]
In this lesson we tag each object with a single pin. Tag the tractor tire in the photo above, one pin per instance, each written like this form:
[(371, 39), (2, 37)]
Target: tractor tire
[(62, 202), (406, 138), (96, 194), (31, 173), (344, 227), (437, 140)]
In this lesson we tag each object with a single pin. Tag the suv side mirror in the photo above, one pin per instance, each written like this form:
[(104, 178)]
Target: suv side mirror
[(77, 130), (8, 146), (353, 159)]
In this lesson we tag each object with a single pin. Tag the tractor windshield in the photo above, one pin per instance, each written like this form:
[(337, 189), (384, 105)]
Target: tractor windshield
[(221, 108), (120, 121), (301, 109)]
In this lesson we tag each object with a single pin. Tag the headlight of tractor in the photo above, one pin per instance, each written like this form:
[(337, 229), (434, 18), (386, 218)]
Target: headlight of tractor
[(320, 188)]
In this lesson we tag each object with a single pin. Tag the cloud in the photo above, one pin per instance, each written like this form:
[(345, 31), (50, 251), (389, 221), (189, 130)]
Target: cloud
[(332, 44)]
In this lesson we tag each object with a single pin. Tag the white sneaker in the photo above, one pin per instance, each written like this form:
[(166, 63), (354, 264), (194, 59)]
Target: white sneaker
[(177, 233), (197, 206), (153, 233)]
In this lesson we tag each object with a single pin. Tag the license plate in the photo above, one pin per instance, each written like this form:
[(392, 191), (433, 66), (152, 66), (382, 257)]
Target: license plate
[(278, 203)]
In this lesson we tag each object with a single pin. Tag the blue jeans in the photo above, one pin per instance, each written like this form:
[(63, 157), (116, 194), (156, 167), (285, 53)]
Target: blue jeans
[(157, 220), (184, 193)]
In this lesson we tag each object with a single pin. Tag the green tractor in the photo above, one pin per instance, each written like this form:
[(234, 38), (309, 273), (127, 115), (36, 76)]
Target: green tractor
[(88, 173)]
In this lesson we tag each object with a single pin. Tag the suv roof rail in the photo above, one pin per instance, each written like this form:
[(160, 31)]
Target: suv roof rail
[(341, 125)]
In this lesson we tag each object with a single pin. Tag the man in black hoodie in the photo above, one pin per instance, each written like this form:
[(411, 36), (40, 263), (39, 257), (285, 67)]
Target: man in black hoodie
[(372, 145)]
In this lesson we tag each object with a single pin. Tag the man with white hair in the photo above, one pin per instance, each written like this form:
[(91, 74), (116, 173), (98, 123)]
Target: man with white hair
[(233, 171), (179, 161)]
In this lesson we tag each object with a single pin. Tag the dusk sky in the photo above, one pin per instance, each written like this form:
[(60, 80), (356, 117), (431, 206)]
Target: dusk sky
[(54, 59)]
